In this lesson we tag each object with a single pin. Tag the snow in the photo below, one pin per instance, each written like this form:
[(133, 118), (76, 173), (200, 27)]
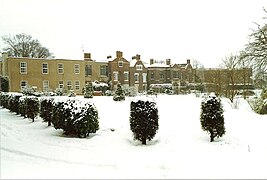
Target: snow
[(180, 149)]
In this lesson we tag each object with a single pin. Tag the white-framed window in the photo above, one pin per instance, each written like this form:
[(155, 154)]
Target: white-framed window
[(45, 85), (88, 70), (60, 68), (23, 68), (144, 77), (116, 75), (77, 68), (61, 84), (45, 68), (23, 84), (103, 70), (136, 77), (139, 67), (152, 76), (120, 63), (69, 85), (77, 85), (126, 76)]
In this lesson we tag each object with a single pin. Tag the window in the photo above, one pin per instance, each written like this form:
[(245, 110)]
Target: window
[(126, 76), (45, 68), (45, 85), (23, 68), (120, 63), (60, 84), (136, 77), (88, 70), (23, 84), (144, 77), (139, 67), (77, 85), (69, 85), (103, 70), (115, 73), (152, 76), (60, 68), (77, 68), (161, 76), (176, 74)]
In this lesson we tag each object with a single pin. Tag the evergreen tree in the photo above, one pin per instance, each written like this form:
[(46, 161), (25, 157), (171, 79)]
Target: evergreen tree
[(119, 94), (88, 90), (211, 118), (4, 84), (144, 120)]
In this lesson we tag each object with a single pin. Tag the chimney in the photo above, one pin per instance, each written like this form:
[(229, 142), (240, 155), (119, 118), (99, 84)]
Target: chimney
[(188, 61), (87, 56), (137, 57), (119, 54), (151, 61), (168, 61)]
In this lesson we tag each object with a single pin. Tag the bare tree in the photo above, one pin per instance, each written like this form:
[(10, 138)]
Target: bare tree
[(256, 49), (230, 63), (23, 45)]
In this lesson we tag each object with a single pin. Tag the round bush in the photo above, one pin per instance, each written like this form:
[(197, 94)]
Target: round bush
[(144, 120)]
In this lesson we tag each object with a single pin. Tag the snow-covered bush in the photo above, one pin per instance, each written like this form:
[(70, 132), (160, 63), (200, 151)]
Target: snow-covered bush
[(59, 91), (23, 106), (46, 110), (119, 94), (14, 102), (211, 117), (4, 99), (32, 107), (71, 93), (88, 91), (75, 117), (144, 120)]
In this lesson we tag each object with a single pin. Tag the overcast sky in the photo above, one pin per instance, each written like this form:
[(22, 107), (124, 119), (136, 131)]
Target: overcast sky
[(204, 30)]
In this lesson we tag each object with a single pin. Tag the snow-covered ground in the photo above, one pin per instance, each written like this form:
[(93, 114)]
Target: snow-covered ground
[(179, 150)]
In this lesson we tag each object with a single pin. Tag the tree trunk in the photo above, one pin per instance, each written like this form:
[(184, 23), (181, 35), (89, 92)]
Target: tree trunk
[(211, 136), (144, 141), (49, 123)]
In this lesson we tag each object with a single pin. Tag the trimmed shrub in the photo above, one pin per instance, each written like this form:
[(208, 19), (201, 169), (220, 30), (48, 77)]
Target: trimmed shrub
[(46, 110), (4, 99), (32, 107), (4, 83), (144, 120), (119, 94), (23, 106), (88, 91), (14, 102), (211, 118), (75, 117)]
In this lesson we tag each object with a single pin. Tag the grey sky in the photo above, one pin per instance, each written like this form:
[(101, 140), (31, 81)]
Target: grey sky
[(205, 30)]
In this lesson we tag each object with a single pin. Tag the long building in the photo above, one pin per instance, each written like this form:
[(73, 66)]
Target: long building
[(48, 74)]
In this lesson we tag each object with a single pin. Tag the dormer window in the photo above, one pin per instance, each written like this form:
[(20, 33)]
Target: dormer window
[(120, 63), (139, 67)]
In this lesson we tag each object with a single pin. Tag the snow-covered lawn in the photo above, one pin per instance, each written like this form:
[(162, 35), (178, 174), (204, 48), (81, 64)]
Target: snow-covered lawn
[(179, 150)]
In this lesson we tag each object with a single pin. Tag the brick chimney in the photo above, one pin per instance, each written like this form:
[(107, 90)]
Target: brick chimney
[(87, 56), (188, 61), (119, 54), (151, 61), (137, 57), (168, 61)]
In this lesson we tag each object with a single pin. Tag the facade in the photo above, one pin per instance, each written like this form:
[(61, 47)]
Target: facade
[(138, 74), (49, 74), (44, 74)]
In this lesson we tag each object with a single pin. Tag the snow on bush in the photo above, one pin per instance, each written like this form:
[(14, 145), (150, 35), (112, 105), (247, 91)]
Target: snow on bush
[(261, 105), (46, 107), (144, 120), (119, 94), (88, 91), (4, 99), (23, 106), (75, 117), (14, 102), (211, 118), (32, 106)]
